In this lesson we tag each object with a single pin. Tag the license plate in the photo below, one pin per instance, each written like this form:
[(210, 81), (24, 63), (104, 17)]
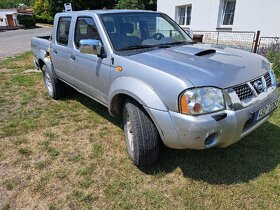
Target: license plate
[(267, 109)]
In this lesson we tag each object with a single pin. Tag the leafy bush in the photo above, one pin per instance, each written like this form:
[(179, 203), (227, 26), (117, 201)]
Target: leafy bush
[(274, 58), (136, 4), (44, 18), (6, 4), (26, 20), (130, 4), (45, 10)]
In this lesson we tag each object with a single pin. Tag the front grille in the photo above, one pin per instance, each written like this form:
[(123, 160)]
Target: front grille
[(243, 91), (267, 79)]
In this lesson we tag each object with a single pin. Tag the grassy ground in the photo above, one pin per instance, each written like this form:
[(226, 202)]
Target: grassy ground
[(70, 154)]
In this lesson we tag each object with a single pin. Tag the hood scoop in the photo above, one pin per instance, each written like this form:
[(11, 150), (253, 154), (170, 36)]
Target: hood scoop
[(205, 52), (195, 51)]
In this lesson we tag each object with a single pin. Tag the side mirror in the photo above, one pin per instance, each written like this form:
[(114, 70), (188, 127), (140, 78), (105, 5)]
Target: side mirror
[(91, 46)]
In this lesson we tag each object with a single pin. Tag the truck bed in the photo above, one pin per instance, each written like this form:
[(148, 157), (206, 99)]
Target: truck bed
[(40, 45)]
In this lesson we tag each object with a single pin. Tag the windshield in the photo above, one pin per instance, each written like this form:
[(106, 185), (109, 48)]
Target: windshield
[(142, 30)]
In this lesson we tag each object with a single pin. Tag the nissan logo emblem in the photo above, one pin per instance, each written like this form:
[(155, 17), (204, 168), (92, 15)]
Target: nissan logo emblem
[(258, 85)]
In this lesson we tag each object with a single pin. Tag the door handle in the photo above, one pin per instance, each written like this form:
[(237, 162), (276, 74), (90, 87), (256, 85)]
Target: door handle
[(55, 51), (72, 57)]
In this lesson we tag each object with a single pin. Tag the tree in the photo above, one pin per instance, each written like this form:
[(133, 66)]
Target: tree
[(150, 4), (137, 4), (82, 4), (45, 10), (6, 4), (130, 4)]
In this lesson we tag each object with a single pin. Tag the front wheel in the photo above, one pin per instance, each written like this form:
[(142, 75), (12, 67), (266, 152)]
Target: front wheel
[(142, 138)]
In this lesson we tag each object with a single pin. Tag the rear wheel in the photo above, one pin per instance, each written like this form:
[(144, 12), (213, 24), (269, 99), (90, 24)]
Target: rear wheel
[(142, 138), (54, 86)]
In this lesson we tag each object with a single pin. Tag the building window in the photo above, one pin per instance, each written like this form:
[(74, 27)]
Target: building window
[(184, 15), (228, 12)]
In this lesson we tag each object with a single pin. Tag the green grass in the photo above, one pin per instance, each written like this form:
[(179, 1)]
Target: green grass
[(274, 58), (25, 151), (71, 154), (6, 207)]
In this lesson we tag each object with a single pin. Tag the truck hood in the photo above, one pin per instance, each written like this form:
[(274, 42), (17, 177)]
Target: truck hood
[(205, 65)]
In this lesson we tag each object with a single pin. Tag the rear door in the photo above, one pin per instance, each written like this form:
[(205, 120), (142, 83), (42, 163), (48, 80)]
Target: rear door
[(60, 50)]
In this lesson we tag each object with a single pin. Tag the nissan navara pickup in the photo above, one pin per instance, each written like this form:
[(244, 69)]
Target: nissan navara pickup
[(167, 88)]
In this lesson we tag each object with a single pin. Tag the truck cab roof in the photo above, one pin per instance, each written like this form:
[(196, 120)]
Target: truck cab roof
[(111, 11)]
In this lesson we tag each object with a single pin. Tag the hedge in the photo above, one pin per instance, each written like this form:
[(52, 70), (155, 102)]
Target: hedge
[(43, 18), (26, 20), (274, 58)]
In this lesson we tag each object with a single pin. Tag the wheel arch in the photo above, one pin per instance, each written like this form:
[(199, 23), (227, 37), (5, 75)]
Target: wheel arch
[(128, 87), (44, 60), (154, 106), (41, 63)]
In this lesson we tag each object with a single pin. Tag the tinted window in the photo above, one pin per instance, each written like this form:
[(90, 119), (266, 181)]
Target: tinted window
[(85, 29), (63, 30), (133, 29)]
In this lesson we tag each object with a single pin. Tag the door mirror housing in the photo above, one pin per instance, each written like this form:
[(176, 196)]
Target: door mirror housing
[(92, 46)]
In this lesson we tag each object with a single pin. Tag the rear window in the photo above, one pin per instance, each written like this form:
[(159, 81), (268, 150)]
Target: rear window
[(63, 28)]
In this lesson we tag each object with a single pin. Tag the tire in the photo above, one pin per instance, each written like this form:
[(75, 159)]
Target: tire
[(142, 138), (54, 86)]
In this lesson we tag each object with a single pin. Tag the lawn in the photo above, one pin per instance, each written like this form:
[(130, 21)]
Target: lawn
[(71, 154)]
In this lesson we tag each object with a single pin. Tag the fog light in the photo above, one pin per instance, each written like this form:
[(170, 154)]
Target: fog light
[(211, 140)]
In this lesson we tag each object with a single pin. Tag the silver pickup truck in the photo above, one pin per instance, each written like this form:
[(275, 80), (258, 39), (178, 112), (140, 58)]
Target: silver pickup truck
[(144, 67)]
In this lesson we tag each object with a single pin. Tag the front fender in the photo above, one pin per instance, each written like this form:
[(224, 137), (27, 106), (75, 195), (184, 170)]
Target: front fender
[(138, 90), (155, 107)]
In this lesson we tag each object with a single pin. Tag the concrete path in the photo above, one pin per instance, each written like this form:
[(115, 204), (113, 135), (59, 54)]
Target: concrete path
[(18, 41)]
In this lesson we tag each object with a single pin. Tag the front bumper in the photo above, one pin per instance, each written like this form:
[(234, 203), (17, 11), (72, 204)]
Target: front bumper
[(201, 132)]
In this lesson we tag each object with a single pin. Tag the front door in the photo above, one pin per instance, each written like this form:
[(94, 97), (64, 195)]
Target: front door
[(92, 73)]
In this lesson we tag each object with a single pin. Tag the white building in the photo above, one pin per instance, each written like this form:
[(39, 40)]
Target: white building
[(225, 15), (8, 17)]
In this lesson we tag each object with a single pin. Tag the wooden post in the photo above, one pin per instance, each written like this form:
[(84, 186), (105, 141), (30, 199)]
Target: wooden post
[(256, 42)]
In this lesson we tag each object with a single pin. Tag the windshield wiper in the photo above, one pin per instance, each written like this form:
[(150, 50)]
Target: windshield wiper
[(181, 42), (163, 45), (135, 47), (167, 45)]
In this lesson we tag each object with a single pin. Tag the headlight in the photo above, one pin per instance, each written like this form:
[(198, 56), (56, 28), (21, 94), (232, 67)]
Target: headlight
[(273, 78), (201, 101)]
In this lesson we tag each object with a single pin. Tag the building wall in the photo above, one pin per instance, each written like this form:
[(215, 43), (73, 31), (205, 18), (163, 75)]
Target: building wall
[(3, 13), (250, 15), (263, 15)]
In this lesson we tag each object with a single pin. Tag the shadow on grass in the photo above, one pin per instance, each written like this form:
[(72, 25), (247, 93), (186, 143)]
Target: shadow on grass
[(255, 154), (96, 107)]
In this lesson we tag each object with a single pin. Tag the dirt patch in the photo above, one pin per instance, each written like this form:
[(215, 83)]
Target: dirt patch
[(5, 70), (31, 71)]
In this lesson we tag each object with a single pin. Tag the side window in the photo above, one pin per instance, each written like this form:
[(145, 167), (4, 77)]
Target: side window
[(63, 30), (85, 29)]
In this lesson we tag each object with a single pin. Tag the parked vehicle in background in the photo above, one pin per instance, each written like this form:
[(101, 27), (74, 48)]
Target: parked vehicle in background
[(144, 67)]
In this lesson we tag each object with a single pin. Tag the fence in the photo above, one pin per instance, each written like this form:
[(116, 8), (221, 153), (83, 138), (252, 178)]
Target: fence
[(268, 44), (246, 40), (239, 39)]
